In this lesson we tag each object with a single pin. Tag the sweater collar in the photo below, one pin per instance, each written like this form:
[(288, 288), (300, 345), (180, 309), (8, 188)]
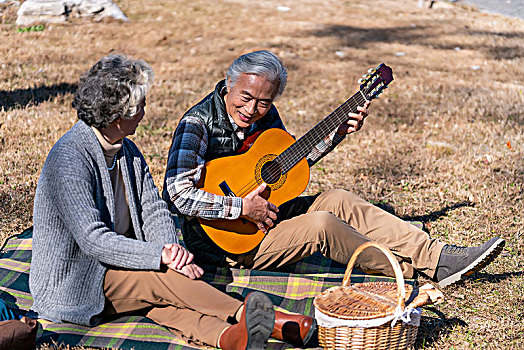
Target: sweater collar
[(108, 148)]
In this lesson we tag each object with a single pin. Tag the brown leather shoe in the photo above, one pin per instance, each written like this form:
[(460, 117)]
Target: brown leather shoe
[(294, 329), (255, 325)]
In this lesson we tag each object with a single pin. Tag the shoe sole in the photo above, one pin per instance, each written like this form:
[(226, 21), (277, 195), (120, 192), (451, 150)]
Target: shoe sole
[(311, 331), (482, 261), (260, 320)]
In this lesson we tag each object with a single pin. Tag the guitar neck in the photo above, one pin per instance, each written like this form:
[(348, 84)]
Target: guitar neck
[(303, 146)]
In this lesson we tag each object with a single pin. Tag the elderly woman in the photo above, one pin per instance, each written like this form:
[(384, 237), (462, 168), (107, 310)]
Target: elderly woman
[(104, 241)]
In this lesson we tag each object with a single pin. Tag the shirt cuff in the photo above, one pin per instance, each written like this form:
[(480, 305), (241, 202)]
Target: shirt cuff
[(338, 139), (233, 208)]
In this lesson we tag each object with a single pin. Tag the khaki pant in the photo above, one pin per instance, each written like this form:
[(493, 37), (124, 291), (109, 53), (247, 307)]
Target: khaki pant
[(335, 223), (192, 309)]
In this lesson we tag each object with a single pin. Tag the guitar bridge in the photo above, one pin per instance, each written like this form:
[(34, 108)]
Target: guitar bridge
[(225, 188), (227, 192)]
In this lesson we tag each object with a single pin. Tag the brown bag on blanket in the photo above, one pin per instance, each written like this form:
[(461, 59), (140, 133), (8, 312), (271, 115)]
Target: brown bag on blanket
[(18, 334)]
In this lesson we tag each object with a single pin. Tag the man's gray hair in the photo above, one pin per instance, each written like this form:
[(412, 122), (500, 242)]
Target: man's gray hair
[(262, 63), (113, 88)]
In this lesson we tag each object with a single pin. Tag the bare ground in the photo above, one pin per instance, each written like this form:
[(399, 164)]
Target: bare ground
[(444, 144)]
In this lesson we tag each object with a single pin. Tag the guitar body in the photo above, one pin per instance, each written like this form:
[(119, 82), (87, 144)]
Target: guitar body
[(241, 174)]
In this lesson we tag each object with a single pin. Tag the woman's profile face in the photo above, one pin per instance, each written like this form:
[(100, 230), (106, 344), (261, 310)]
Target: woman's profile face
[(128, 126)]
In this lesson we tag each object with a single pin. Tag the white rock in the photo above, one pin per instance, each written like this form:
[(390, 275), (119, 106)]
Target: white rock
[(56, 11)]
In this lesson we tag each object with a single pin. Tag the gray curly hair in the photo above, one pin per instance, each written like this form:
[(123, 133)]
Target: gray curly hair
[(113, 88), (262, 63)]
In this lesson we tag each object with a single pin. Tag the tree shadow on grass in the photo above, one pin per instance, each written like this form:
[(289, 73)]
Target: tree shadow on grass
[(23, 97), (484, 277), (421, 35), (433, 216), (433, 328)]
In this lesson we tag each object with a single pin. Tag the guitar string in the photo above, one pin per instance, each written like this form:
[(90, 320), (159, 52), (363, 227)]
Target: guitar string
[(319, 132), (275, 169)]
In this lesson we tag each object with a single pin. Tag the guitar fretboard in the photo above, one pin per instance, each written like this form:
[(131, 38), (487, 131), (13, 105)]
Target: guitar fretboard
[(303, 146)]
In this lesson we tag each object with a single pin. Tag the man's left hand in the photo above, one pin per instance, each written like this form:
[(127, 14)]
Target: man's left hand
[(355, 122)]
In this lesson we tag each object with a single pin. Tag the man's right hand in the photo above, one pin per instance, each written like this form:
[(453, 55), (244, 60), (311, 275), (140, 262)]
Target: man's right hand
[(258, 210)]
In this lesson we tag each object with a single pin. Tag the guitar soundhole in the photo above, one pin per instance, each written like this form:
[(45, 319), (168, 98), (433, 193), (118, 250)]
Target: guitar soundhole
[(271, 172)]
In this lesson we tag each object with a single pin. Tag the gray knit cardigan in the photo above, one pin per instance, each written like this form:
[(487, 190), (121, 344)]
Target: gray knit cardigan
[(73, 237)]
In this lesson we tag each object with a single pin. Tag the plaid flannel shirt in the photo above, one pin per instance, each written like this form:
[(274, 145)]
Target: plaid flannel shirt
[(185, 165)]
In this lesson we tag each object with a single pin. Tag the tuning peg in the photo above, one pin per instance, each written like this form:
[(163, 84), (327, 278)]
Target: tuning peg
[(371, 70), (360, 81)]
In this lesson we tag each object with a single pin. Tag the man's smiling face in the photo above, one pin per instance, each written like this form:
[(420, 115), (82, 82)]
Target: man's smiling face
[(250, 98)]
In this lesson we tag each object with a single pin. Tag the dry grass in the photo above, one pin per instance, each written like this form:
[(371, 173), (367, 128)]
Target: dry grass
[(444, 144)]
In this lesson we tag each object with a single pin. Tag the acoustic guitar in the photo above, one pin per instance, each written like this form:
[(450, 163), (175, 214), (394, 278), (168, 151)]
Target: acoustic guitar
[(278, 160)]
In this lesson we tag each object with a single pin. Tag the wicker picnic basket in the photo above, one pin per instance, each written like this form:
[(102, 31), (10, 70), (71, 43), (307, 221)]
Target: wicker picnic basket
[(370, 315)]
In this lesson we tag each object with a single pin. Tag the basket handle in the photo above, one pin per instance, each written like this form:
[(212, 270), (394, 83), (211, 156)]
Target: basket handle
[(401, 289)]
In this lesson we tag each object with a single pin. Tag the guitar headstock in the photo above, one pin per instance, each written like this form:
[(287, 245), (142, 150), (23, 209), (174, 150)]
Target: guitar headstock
[(375, 81)]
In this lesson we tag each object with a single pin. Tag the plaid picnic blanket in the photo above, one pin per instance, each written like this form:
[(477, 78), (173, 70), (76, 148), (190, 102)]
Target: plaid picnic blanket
[(293, 289)]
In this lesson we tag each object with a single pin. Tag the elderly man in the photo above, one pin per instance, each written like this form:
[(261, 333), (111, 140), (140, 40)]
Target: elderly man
[(335, 222)]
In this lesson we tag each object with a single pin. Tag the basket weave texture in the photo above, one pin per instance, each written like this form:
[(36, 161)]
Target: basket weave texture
[(400, 336), (366, 301)]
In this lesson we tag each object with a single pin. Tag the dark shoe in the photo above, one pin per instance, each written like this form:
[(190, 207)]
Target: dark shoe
[(457, 262), (293, 328), (255, 325)]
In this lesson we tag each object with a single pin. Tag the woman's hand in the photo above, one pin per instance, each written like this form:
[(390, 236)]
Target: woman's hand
[(192, 271), (175, 256), (178, 259)]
